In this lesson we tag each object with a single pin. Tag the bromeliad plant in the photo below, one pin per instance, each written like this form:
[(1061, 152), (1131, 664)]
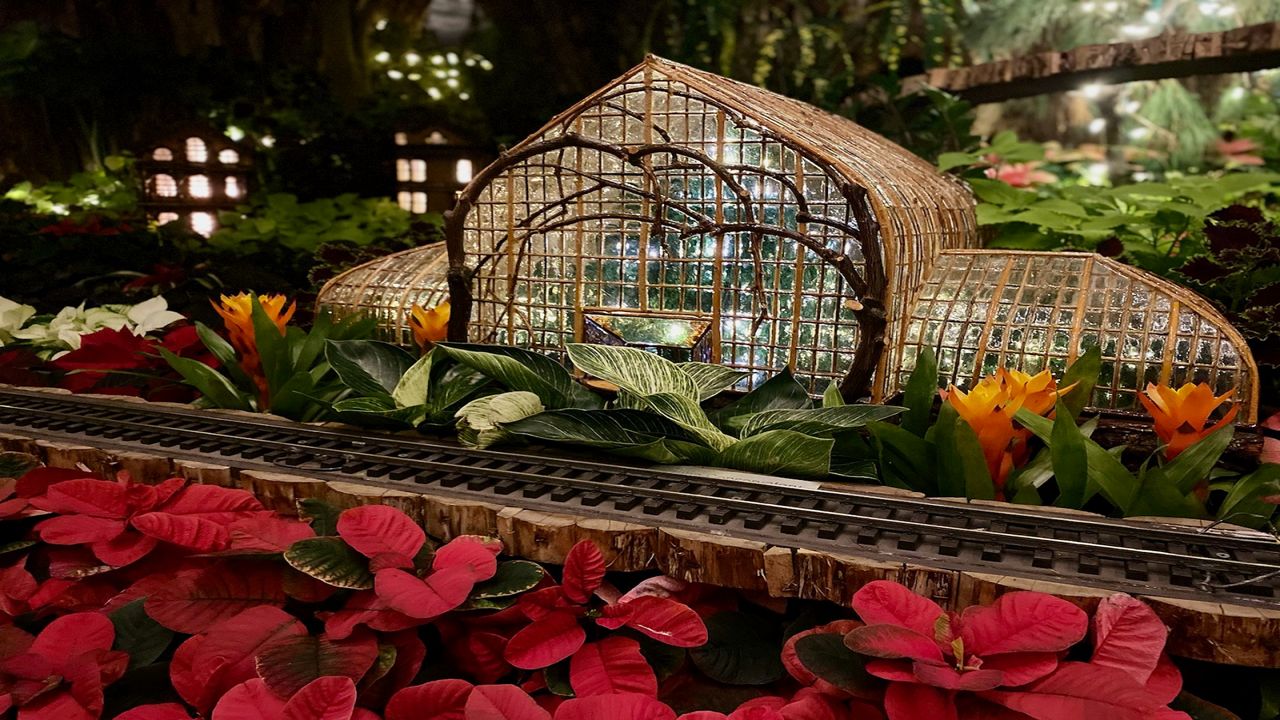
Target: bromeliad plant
[(173, 601), (268, 365)]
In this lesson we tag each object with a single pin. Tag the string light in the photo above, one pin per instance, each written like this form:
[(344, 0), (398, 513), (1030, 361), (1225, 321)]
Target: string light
[(412, 58), (1135, 30), (1139, 133), (395, 74), (1237, 93), (1097, 125), (1092, 91), (383, 57), (381, 24), (1111, 6)]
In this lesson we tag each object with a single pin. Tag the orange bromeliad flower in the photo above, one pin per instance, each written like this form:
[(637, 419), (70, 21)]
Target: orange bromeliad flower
[(989, 409), (429, 325), (1180, 415), (237, 315)]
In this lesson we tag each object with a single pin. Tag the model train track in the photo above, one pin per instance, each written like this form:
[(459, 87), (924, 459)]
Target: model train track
[(1162, 560)]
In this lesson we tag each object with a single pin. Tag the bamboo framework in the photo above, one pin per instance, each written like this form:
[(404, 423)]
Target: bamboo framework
[(981, 310), (387, 288), (678, 192)]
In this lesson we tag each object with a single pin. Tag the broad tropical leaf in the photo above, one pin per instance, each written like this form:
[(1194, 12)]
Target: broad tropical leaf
[(780, 452), (780, 392), (368, 367), (214, 386), (818, 422), (519, 369), (634, 370), (962, 470), (412, 388), (710, 378), (635, 433), (482, 421), (922, 388)]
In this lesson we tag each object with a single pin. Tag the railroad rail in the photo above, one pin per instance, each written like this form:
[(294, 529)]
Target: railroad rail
[(1214, 565)]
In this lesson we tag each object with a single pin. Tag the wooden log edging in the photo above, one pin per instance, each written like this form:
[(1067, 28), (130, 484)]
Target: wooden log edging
[(1207, 631), (1170, 55)]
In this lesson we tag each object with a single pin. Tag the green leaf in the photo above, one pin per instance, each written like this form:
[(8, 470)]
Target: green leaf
[(273, 349), (818, 422), (1070, 462), (600, 428), (331, 561), (513, 577), (826, 655), (215, 387), (780, 452), (687, 413), (481, 422), (290, 663), (1244, 504), (16, 464), (921, 390), (906, 460), (322, 516), (949, 160), (226, 355), (1000, 193), (779, 392), (1204, 710), (519, 369), (310, 347), (1084, 373), (831, 397), (711, 379), (368, 367), (1117, 484), (413, 385), (962, 469), (633, 370), (1194, 464), (137, 634), (740, 650)]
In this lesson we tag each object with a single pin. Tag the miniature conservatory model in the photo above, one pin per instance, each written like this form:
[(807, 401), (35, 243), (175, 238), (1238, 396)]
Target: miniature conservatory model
[(705, 219)]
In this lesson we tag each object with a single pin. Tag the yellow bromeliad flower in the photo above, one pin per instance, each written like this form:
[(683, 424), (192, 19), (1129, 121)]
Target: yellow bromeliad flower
[(989, 409), (237, 315), (1181, 415), (429, 325)]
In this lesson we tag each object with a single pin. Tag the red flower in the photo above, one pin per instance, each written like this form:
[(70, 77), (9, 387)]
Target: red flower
[(60, 674), (556, 633), (92, 225), (122, 521)]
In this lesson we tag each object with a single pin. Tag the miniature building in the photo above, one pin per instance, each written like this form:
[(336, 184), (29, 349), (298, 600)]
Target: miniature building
[(387, 288), (431, 167), (702, 218), (190, 176)]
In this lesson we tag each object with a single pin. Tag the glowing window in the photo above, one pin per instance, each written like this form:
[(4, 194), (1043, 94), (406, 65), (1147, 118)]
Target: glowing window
[(165, 186), (196, 150), (198, 187), (405, 201), (419, 202), (419, 170), (402, 139), (462, 171), (231, 187), (166, 217), (402, 170), (228, 157), (203, 223), (162, 153)]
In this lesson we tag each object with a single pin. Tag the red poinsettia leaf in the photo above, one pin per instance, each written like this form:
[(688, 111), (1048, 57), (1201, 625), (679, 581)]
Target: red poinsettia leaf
[(212, 501), (909, 701), (107, 349), (1022, 622), (882, 602), (365, 608), (469, 552), (704, 715), (583, 571), (125, 549), (325, 698), (424, 598), (1021, 668), (186, 531), (627, 706), (502, 702), (896, 670), (664, 620), (86, 496), (36, 481), (612, 665), (14, 641), (250, 700), (410, 652), (266, 532), (79, 529), (1166, 681), (221, 591), (73, 635), (1080, 690), (57, 705), (236, 641), (946, 677), (892, 641), (86, 681), (1127, 636), (446, 699), (546, 642), (301, 586), (374, 530), (537, 604), (288, 664), (198, 681), (162, 711), (791, 661)]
